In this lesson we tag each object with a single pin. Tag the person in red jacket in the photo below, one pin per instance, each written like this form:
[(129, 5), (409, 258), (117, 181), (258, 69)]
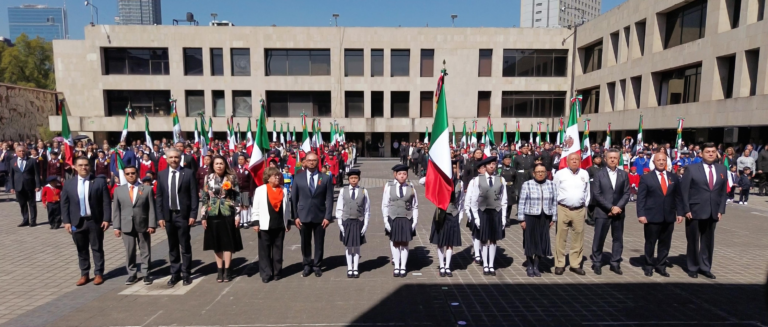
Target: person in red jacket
[(146, 165), (333, 165), (51, 197), (634, 182)]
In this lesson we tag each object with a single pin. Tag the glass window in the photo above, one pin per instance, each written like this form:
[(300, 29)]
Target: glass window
[(242, 105), (377, 104), (241, 62), (400, 62), (680, 86), (535, 63), (297, 62), (540, 104), (591, 101), (686, 24), (321, 62), (219, 107), (483, 103), (427, 99), (294, 103), (486, 63), (143, 102), (130, 61), (217, 62), (377, 62), (399, 104), (193, 61), (353, 62), (427, 63), (195, 103), (354, 105), (593, 57)]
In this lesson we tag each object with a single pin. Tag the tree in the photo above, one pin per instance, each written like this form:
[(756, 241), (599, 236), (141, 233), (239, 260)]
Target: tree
[(28, 63)]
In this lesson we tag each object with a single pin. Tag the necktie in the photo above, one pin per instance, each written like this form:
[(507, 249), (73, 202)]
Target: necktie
[(21, 164), (663, 184), (353, 193), (174, 192), (711, 178), (401, 191), (81, 195), (490, 181), (130, 192), (312, 183)]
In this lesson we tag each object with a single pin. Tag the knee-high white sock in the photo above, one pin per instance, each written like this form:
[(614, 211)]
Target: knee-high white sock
[(349, 253), (356, 258), (394, 251), (477, 246), (448, 253), (403, 257), (491, 254), (396, 256), (441, 255), (485, 256)]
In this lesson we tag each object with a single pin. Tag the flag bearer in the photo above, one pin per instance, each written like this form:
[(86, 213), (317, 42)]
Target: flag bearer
[(446, 227)]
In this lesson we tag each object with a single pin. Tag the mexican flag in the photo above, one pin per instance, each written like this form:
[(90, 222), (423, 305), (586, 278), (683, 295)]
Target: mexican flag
[(197, 135), (439, 185), (261, 146), (548, 134), (293, 135), (124, 136), (426, 136), (560, 132), (473, 138), (518, 142), (320, 143), (238, 134), (282, 135), (504, 137), (487, 147), (464, 136), (482, 138), (622, 164), (538, 134), (176, 125), (679, 140), (288, 132), (640, 136), (249, 139), (204, 140), (586, 153), (306, 144), (119, 166), (68, 143), (530, 138), (210, 130), (453, 140), (570, 139), (274, 131), (146, 131), (492, 140), (232, 137), (334, 135), (608, 137)]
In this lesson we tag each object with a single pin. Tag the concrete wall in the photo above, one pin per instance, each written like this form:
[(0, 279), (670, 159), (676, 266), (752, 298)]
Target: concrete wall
[(24, 110)]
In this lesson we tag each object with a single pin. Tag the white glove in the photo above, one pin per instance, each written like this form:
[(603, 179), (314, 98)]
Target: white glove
[(503, 223), (341, 228), (413, 227), (365, 227), (422, 181), (387, 227), (477, 222)]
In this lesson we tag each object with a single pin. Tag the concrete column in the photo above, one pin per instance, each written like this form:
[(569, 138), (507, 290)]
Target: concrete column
[(387, 103), (654, 33), (740, 76), (387, 144), (762, 74), (621, 89), (648, 97)]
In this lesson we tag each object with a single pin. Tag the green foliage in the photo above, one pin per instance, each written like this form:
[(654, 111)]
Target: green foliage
[(28, 63), (46, 134)]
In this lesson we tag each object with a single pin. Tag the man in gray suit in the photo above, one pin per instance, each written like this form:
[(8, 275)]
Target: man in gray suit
[(133, 218), (610, 191)]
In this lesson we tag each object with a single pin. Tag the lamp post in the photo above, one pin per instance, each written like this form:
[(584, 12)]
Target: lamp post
[(573, 49), (88, 3), (453, 18), (336, 19)]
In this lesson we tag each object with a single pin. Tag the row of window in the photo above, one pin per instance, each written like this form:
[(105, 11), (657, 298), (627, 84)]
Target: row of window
[(514, 104), (317, 62)]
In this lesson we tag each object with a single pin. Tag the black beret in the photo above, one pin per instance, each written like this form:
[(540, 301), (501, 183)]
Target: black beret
[(400, 167), (51, 179), (354, 172), (54, 152), (487, 161), (508, 156), (146, 179)]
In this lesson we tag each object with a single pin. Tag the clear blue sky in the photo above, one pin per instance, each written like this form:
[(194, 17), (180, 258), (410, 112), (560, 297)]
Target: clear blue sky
[(472, 13)]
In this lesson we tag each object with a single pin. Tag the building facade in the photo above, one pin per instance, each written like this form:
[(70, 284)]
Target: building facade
[(49, 23), (550, 13), (139, 12)]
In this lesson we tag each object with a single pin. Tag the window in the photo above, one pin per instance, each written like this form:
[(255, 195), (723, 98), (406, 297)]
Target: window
[(483, 103), (377, 104), (241, 62), (298, 62), (193, 61), (242, 105), (726, 67), (217, 62), (593, 58), (400, 62), (399, 104), (733, 7), (353, 62), (195, 103), (127, 61), (535, 63), (486, 63), (427, 63), (640, 31), (752, 58), (760, 10), (293, 103), (219, 108), (354, 104), (543, 104), (143, 102), (377, 62), (680, 86), (427, 98), (686, 24), (591, 101)]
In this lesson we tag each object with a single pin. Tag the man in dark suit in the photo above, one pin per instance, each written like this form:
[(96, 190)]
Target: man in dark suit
[(128, 156), (610, 192), (703, 188), (176, 210), (186, 160), (86, 213), (25, 182), (657, 198), (312, 198)]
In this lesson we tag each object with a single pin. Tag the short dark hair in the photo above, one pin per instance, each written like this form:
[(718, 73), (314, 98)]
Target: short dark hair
[(131, 167), (82, 158), (708, 145)]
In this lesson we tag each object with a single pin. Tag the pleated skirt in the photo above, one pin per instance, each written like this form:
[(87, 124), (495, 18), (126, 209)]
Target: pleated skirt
[(536, 240), (353, 233), (222, 235), (401, 230), (446, 234), (491, 228)]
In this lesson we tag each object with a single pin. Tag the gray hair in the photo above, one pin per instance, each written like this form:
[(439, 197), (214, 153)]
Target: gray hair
[(21, 147), (172, 150), (612, 150)]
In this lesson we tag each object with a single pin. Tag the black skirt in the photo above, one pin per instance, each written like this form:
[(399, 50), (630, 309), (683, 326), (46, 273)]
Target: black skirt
[(353, 233), (401, 230), (221, 234), (446, 234), (536, 235), (491, 228)]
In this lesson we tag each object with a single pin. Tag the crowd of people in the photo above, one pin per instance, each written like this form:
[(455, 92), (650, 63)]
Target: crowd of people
[(172, 186)]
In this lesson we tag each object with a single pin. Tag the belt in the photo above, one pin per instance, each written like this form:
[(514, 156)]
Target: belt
[(571, 208), (509, 183)]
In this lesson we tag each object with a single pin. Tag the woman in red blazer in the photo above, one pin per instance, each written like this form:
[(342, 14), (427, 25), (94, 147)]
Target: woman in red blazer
[(146, 165)]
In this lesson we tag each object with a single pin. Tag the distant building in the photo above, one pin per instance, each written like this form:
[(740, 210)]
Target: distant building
[(548, 13), (49, 23), (139, 12)]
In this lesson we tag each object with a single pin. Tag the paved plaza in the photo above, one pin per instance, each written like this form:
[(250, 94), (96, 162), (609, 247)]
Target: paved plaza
[(39, 272)]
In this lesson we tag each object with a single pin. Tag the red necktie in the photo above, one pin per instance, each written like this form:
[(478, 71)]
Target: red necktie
[(663, 183), (711, 178)]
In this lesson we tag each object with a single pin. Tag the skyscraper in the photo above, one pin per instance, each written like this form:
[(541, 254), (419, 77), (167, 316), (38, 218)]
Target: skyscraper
[(49, 23), (139, 12), (548, 13)]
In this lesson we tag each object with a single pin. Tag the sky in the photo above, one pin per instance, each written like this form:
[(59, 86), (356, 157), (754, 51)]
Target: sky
[(386, 13)]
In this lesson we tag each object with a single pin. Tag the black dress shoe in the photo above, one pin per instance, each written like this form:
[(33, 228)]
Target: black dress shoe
[(306, 272), (442, 272), (448, 273), (617, 270), (708, 274), (32, 224), (693, 274), (559, 270), (662, 272), (187, 280), (668, 264), (403, 273), (598, 270), (396, 273), (265, 280), (148, 280), (318, 273), (131, 280), (23, 225), (493, 271), (648, 273), (174, 280), (355, 274), (53, 227), (577, 271)]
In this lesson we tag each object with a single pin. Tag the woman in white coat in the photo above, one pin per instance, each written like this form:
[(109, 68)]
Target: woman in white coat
[(270, 214)]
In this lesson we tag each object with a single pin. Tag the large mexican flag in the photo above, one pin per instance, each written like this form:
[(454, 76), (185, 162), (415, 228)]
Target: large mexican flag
[(640, 135), (586, 153), (68, 143), (679, 140), (571, 142), (439, 185), (260, 147), (306, 141), (176, 124), (124, 135)]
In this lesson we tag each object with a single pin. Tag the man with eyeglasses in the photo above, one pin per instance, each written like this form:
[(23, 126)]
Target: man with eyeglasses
[(133, 216), (312, 198)]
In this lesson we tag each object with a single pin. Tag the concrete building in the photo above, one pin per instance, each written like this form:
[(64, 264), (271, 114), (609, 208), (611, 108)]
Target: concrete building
[(139, 12), (49, 23), (549, 13), (703, 60)]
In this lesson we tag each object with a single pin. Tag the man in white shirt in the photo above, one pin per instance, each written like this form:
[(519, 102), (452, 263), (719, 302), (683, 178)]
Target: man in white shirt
[(573, 194)]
